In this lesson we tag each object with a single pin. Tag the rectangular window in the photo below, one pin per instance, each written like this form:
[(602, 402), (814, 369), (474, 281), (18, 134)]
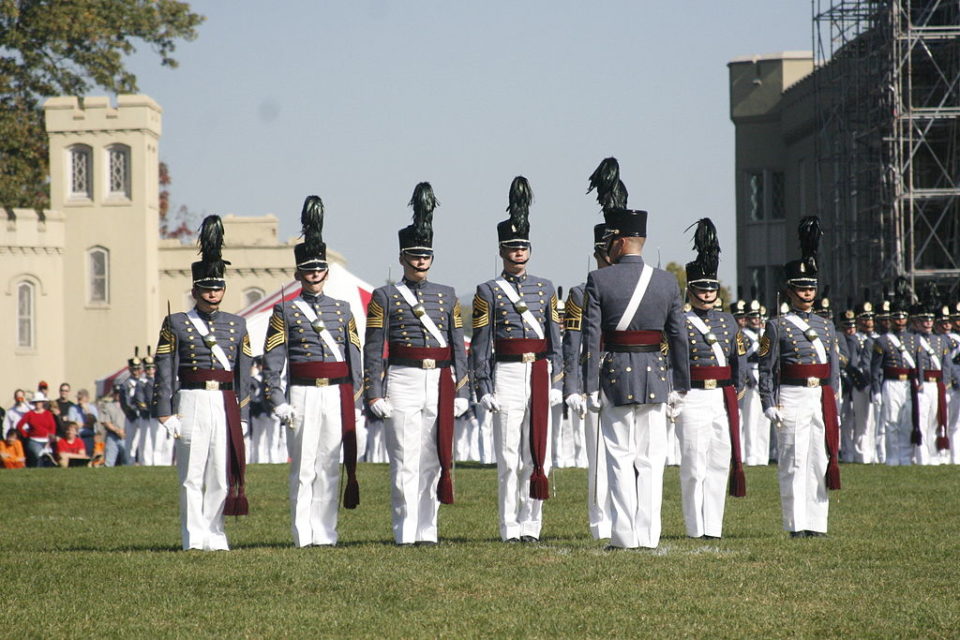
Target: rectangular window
[(755, 195), (99, 267), (25, 315), (758, 282), (119, 162), (777, 197), (80, 171)]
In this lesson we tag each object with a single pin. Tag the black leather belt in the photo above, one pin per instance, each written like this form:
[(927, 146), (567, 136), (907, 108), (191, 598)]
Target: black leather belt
[(805, 382), (420, 364), (318, 382), (209, 385), (631, 348), (710, 384), (519, 357)]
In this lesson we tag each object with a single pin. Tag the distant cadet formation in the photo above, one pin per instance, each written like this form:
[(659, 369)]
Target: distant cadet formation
[(638, 370)]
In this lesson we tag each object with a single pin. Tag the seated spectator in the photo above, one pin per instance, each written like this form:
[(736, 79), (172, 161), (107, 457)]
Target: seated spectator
[(38, 429), (70, 449), (11, 451), (99, 449), (87, 417), (17, 411), (113, 420)]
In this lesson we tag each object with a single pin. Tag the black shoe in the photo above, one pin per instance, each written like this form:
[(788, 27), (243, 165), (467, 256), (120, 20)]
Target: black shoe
[(798, 534), (529, 539), (815, 534), (512, 540), (711, 537), (425, 543), (404, 544), (610, 547)]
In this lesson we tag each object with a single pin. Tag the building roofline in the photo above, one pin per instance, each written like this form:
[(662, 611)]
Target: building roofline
[(783, 55)]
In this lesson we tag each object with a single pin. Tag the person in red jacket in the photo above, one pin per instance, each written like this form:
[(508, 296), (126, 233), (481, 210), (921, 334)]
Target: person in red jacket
[(71, 451), (38, 429)]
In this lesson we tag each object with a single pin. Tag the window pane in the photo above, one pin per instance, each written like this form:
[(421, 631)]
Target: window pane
[(777, 204), (99, 273), (80, 171), (755, 195), (25, 314), (119, 171)]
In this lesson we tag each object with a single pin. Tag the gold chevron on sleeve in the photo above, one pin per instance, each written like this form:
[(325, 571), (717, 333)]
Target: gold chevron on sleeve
[(245, 345), (245, 402), (573, 316), (554, 311), (167, 339), (457, 317), (352, 332), (557, 377), (374, 315), (481, 312), (764, 346), (462, 381), (276, 332), (741, 344)]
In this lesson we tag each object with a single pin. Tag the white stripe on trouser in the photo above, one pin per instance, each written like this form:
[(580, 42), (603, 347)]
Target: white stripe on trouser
[(520, 515), (704, 434), (803, 460), (314, 448), (756, 429), (865, 427), (897, 419), (598, 491), (202, 468), (635, 436), (927, 452), (411, 438)]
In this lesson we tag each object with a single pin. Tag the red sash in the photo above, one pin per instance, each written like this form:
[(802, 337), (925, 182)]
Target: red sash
[(445, 418), (236, 504), (738, 480), (828, 409), (539, 408), (348, 419), (627, 338)]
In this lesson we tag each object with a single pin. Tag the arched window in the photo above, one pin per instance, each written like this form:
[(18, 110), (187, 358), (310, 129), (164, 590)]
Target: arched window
[(81, 170), (118, 176), (251, 295), (98, 275), (26, 308)]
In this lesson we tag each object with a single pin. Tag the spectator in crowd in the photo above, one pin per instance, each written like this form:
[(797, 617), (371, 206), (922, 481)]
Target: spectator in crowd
[(89, 418), (11, 451), (113, 421), (18, 410), (65, 410), (70, 449), (38, 428)]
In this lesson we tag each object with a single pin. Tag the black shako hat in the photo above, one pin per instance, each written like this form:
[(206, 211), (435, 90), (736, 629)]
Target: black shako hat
[(311, 254), (514, 232), (600, 236), (803, 272), (417, 239), (612, 196), (702, 272), (208, 272)]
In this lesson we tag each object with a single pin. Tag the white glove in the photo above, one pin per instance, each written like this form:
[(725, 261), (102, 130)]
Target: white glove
[(244, 428), (381, 408), (674, 405), (774, 415), (577, 404), (593, 402), (490, 403), (460, 406), (285, 413), (556, 397), (172, 425)]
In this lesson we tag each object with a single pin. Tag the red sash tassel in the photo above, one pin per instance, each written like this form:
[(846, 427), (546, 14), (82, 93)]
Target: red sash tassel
[(828, 408)]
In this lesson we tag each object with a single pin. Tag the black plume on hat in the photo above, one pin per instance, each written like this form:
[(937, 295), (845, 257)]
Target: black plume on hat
[(417, 238), (515, 231), (312, 252), (702, 272), (810, 234), (208, 272), (611, 192)]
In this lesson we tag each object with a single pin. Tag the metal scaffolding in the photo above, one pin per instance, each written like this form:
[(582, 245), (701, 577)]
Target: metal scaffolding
[(887, 94)]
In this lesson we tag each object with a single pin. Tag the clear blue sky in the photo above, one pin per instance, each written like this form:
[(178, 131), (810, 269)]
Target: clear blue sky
[(358, 101)]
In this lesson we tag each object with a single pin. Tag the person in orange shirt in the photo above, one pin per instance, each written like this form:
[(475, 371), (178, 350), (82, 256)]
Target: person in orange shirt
[(11, 451)]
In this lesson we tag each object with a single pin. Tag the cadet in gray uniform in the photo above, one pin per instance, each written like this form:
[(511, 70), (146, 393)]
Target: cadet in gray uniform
[(865, 414), (203, 368), (635, 309), (709, 424), (754, 425), (422, 385), (518, 369), (598, 493), (314, 337), (799, 373)]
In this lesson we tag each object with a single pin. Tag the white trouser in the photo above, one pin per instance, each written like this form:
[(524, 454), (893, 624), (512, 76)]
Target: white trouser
[(163, 447), (635, 436), (148, 428), (756, 429), (953, 425), (926, 453), (133, 433), (411, 438), (487, 453), (561, 435), (264, 433), (580, 445), (673, 445), (598, 489), (704, 431), (376, 443), (314, 448), (865, 427), (897, 419), (467, 444), (803, 460), (520, 515), (202, 467)]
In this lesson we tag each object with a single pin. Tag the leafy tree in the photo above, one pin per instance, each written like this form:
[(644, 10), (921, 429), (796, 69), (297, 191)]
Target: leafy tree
[(181, 224), (680, 272), (65, 47)]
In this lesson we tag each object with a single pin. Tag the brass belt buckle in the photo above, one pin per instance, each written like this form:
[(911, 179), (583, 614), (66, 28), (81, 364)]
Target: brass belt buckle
[(813, 382), (322, 382), (710, 383), (902, 377), (429, 363), (211, 385), (528, 357)]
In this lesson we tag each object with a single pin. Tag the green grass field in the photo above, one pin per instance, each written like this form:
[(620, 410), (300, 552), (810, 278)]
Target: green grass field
[(96, 552)]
